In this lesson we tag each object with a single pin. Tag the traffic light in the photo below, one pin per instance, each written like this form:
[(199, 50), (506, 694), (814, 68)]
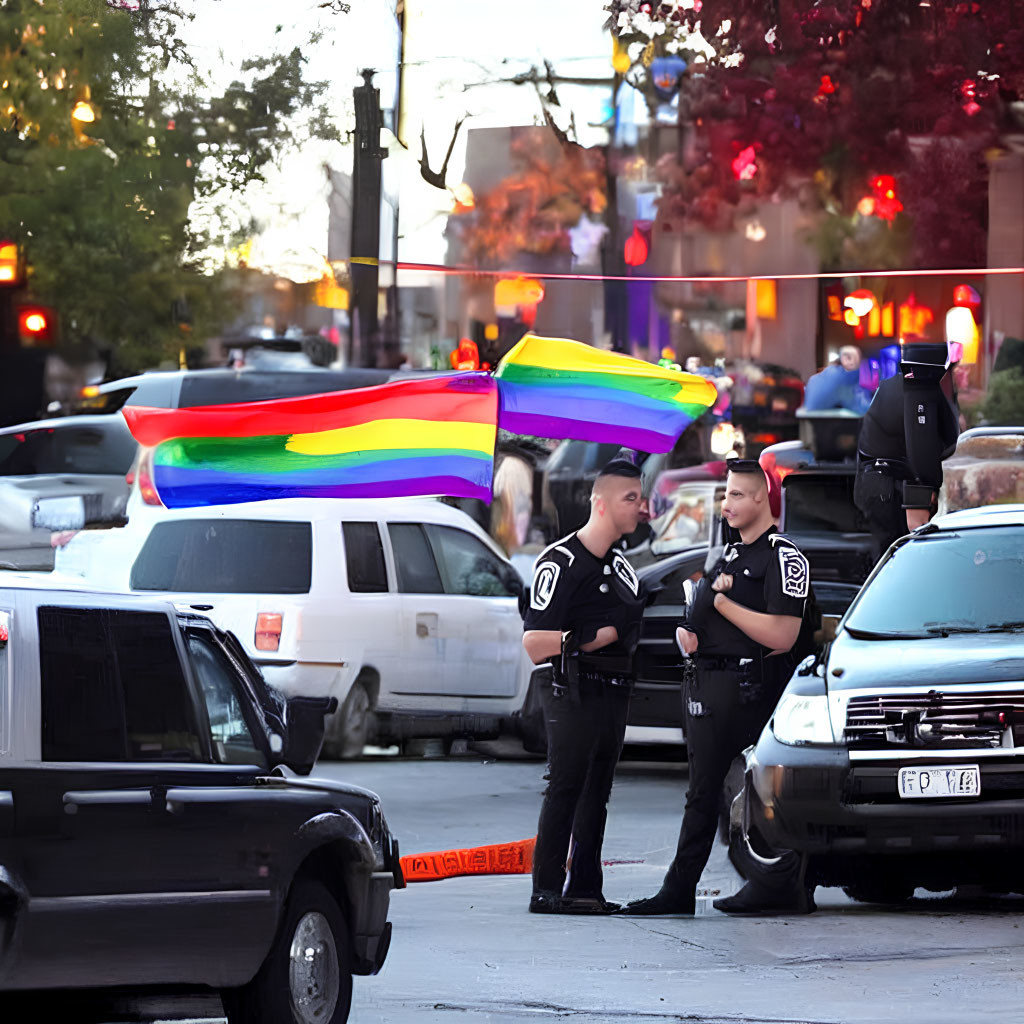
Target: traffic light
[(10, 264), (37, 327)]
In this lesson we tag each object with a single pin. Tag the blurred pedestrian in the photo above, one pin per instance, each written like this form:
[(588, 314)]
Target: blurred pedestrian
[(838, 385), (581, 629)]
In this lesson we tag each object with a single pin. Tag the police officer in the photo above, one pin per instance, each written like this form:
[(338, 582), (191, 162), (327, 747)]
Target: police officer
[(911, 425), (581, 629), (742, 630)]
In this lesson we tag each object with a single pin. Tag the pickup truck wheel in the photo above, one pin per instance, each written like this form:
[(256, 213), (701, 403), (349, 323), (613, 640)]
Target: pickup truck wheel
[(349, 729), (307, 976)]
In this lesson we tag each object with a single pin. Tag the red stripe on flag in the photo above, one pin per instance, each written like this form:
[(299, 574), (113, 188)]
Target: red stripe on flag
[(469, 398)]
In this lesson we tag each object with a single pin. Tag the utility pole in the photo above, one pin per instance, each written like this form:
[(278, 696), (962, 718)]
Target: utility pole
[(366, 189)]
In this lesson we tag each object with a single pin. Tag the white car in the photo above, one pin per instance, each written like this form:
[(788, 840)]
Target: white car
[(405, 610)]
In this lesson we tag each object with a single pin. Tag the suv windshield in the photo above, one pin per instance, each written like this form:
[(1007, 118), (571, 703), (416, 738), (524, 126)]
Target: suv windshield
[(944, 583), (226, 556), (91, 449)]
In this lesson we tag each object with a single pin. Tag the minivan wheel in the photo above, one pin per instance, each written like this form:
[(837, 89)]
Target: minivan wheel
[(349, 729), (307, 976)]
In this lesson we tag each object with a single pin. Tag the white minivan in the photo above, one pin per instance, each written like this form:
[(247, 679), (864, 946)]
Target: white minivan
[(403, 609)]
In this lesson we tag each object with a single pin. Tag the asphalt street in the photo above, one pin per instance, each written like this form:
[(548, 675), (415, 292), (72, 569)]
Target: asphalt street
[(465, 950)]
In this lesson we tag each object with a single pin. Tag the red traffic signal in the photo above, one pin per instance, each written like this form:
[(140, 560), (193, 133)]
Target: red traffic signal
[(37, 327)]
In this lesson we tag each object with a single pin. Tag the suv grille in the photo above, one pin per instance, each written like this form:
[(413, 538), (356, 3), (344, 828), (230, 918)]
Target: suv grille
[(936, 719)]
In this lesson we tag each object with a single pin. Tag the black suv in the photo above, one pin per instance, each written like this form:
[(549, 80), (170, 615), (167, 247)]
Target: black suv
[(154, 836), (897, 760)]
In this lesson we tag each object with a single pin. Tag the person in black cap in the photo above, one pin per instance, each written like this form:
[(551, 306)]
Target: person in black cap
[(581, 629), (745, 629), (911, 425)]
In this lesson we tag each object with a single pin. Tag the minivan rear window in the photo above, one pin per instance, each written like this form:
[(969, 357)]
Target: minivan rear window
[(92, 449), (226, 556)]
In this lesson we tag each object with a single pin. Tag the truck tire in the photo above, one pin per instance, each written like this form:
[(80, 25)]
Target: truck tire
[(349, 729), (307, 975)]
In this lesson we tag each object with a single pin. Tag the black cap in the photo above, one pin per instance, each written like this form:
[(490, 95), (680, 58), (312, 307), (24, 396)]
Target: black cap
[(625, 463), (929, 352)]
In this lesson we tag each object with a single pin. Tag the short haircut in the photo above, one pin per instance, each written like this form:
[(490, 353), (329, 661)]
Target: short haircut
[(748, 467), (621, 467)]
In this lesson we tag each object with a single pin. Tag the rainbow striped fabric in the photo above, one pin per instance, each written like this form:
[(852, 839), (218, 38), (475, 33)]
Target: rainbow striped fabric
[(552, 387), (418, 437)]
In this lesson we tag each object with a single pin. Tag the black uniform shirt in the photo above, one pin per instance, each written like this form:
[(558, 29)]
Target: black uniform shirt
[(575, 590), (768, 575), (913, 424)]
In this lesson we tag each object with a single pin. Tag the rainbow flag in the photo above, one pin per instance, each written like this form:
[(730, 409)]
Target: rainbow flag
[(417, 437), (551, 387)]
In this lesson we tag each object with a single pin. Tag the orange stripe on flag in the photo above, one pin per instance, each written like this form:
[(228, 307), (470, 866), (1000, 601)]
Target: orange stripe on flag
[(502, 859)]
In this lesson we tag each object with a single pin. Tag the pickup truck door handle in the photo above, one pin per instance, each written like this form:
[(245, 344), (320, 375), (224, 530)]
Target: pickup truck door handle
[(426, 624), (74, 799)]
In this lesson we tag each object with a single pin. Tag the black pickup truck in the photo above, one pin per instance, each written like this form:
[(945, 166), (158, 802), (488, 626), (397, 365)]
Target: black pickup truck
[(157, 837)]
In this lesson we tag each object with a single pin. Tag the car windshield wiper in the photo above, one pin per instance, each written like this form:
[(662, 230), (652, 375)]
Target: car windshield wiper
[(875, 634), (1002, 627)]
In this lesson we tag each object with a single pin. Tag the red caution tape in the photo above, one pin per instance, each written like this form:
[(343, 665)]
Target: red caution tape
[(502, 859)]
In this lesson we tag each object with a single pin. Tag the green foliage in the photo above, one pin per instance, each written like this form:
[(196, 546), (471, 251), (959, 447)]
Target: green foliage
[(1004, 403), (102, 208)]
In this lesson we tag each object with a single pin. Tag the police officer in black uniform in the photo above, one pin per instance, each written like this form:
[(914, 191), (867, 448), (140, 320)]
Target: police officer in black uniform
[(744, 629), (911, 425), (581, 629)]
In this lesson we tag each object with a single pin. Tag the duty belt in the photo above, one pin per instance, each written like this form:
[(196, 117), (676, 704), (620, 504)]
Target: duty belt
[(890, 467), (605, 678), (716, 662)]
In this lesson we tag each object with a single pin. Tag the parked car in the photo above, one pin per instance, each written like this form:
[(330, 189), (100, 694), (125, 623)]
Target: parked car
[(180, 389), (154, 837), (656, 706), (59, 474), (404, 610), (897, 760)]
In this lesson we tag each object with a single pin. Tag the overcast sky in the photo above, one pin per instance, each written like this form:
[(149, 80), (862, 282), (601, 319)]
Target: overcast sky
[(449, 44)]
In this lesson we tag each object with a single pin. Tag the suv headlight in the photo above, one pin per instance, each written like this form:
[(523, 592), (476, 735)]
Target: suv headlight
[(800, 719)]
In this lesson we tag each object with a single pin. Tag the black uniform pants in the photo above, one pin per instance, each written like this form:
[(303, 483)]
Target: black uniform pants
[(584, 742), (725, 710), (879, 496)]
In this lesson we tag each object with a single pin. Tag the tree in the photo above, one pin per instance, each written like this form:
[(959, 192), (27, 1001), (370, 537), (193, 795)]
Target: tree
[(108, 134), (830, 97)]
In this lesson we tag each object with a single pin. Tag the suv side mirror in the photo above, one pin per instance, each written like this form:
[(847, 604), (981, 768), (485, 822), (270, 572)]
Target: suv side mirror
[(826, 633), (304, 731)]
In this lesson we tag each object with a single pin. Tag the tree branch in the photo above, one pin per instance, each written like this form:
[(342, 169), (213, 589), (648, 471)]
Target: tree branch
[(437, 178)]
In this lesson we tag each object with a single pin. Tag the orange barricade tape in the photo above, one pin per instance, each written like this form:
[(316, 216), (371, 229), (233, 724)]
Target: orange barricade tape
[(502, 859)]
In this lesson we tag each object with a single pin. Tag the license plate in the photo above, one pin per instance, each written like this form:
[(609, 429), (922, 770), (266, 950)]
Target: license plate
[(59, 513), (939, 780)]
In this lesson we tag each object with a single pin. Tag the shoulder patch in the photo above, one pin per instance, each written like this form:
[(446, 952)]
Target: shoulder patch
[(565, 551), (558, 546), (545, 579), (795, 571), (625, 572)]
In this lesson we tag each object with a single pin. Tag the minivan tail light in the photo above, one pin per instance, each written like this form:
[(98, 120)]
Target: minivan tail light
[(147, 489), (268, 631)]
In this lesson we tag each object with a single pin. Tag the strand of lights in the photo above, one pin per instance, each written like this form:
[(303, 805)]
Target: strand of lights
[(439, 268)]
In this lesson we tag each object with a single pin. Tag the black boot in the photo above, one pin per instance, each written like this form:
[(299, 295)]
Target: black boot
[(756, 898), (552, 903), (664, 901)]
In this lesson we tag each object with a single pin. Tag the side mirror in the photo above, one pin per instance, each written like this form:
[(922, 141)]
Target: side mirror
[(828, 629), (304, 731)]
